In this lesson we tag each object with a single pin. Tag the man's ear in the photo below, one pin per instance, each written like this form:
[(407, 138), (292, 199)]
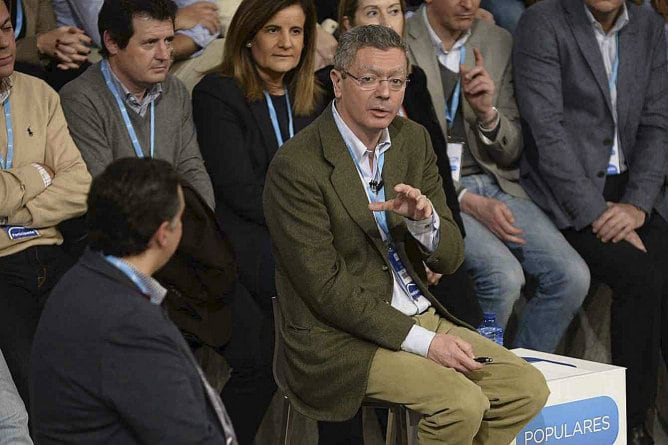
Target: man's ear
[(160, 236), (337, 77), (110, 44)]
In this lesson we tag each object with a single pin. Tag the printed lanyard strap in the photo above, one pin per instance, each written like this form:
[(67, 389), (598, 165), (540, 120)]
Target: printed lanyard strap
[(612, 83), (19, 19), (404, 279), (7, 164), (274, 117), (379, 216), (454, 103), (124, 112)]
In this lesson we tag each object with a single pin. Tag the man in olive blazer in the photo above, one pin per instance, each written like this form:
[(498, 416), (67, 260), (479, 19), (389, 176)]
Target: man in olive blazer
[(349, 329)]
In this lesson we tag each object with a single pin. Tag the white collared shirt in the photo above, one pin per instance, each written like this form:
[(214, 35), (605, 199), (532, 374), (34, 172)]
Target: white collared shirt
[(449, 59), (426, 232), (607, 43)]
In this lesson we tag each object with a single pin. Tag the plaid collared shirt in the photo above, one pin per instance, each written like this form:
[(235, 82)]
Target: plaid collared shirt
[(131, 101)]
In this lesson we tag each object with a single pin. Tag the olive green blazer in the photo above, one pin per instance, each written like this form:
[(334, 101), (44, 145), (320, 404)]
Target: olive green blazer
[(333, 277)]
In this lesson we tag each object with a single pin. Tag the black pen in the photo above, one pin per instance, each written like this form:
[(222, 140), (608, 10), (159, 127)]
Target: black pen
[(484, 360)]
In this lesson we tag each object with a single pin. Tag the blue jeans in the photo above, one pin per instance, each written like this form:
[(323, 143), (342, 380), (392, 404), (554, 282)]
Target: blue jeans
[(498, 269), (13, 415), (506, 12)]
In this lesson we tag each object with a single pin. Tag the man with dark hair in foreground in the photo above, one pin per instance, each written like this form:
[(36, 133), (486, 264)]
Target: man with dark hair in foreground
[(108, 365)]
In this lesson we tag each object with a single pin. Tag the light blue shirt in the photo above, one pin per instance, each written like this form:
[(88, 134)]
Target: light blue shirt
[(146, 284), (83, 14), (426, 232)]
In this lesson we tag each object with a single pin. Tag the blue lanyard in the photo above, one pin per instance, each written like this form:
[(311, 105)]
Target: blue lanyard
[(380, 216), (129, 272), (124, 112), (454, 104), (612, 83), (19, 19), (274, 117), (10, 138)]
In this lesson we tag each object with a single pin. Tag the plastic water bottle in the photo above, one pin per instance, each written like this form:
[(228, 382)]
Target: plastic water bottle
[(489, 329)]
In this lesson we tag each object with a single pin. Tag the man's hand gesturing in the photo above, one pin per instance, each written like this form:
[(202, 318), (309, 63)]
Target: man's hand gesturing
[(409, 202)]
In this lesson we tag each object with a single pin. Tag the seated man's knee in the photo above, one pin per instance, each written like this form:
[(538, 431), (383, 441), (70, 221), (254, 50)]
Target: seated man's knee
[(576, 282), (463, 413), (499, 291), (532, 390)]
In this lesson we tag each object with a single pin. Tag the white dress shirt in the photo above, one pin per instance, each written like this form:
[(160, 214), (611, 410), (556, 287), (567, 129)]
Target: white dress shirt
[(426, 232)]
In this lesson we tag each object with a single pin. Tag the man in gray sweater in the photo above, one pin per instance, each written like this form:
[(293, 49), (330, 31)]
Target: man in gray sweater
[(127, 105)]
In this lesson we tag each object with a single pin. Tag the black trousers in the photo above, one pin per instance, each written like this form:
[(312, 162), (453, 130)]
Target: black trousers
[(637, 283), (26, 279), (249, 353)]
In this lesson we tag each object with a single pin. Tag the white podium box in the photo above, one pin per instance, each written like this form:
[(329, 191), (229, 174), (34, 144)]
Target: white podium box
[(587, 403)]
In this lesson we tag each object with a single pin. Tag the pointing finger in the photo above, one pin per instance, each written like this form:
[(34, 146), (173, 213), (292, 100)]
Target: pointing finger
[(479, 61)]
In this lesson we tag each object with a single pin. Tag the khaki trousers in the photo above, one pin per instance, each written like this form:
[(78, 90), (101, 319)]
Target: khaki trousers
[(489, 406)]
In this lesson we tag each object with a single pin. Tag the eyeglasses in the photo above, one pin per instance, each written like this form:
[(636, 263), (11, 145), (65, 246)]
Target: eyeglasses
[(371, 82)]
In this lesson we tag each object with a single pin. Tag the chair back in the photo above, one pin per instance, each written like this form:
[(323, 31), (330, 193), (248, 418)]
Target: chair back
[(279, 350)]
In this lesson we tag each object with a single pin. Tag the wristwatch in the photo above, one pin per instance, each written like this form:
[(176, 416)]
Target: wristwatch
[(485, 126)]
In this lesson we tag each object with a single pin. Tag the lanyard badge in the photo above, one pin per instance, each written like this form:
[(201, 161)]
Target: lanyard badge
[(274, 117), (6, 164), (19, 19), (104, 66), (614, 164), (375, 191), (451, 111)]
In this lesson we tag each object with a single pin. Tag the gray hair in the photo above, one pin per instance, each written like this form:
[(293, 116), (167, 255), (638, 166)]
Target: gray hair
[(367, 36)]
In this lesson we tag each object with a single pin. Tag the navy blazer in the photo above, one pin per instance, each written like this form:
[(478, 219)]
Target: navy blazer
[(108, 367), (237, 142), (564, 100)]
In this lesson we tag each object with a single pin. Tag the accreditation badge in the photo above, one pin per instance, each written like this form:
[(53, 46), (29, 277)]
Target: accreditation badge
[(455, 150)]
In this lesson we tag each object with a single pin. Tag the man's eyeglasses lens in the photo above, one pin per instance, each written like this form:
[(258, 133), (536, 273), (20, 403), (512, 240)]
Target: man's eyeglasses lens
[(371, 82)]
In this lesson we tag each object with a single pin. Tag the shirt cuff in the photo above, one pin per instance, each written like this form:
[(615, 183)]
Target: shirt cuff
[(418, 340), (461, 195), (426, 231), (46, 177), (200, 35)]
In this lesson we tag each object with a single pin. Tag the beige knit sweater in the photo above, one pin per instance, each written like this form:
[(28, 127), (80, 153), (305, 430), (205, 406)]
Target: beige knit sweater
[(41, 136)]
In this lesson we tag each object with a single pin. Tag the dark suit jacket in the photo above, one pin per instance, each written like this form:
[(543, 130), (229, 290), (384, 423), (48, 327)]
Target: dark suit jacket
[(237, 142), (564, 99), (332, 271), (109, 367)]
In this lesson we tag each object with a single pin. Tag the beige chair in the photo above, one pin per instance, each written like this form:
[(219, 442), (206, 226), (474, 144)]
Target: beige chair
[(401, 422)]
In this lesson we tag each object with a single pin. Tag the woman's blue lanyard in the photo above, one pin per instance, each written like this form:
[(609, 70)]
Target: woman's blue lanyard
[(19, 19), (104, 65), (379, 215), (7, 164), (612, 83), (274, 117), (454, 103)]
